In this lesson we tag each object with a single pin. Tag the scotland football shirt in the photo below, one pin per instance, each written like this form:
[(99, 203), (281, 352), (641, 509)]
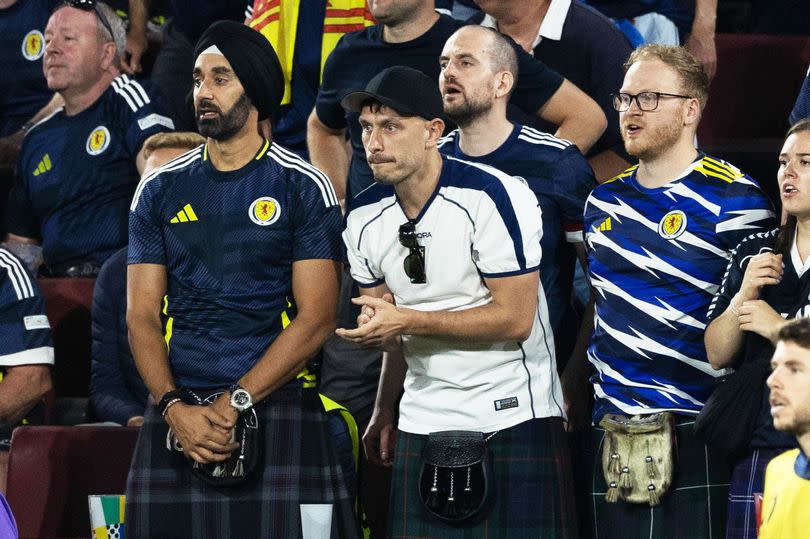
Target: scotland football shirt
[(657, 257), (228, 241)]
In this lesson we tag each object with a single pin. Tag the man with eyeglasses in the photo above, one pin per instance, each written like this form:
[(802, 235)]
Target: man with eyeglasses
[(446, 253), (659, 237), (79, 167)]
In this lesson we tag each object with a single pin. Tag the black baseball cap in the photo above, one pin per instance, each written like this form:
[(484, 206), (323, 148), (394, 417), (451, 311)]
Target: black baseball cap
[(404, 89)]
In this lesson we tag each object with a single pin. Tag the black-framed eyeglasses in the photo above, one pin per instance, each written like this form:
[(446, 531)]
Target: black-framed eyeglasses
[(90, 5), (414, 264), (646, 101)]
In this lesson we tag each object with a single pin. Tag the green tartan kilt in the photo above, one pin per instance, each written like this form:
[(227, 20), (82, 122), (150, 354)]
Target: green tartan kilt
[(533, 495), (694, 507)]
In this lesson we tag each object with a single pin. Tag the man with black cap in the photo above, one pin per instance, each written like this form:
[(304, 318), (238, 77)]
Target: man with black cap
[(237, 244), (446, 253)]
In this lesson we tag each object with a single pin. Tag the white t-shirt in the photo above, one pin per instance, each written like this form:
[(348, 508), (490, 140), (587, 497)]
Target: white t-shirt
[(478, 223)]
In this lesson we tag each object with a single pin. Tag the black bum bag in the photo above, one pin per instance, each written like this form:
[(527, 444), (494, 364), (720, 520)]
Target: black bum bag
[(456, 479)]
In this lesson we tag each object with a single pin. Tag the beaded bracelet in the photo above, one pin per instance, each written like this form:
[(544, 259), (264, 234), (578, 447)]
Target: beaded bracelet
[(170, 398)]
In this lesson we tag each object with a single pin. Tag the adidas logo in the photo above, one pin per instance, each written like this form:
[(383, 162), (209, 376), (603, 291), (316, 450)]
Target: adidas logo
[(605, 226), (44, 165), (185, 215)]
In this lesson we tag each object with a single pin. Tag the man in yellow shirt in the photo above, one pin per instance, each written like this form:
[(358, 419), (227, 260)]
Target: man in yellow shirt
[(786, 503)]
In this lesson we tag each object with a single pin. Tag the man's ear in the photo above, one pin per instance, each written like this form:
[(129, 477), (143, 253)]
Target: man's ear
[(433, 133), (692, 112), (505, 83), (109, 57)]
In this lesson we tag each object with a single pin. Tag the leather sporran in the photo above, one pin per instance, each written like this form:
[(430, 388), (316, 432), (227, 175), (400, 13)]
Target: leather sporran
[(638, 457), (241, 465), (455, 482)]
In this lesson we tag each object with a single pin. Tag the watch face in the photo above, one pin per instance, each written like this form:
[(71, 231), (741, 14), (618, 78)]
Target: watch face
[(240, 399)]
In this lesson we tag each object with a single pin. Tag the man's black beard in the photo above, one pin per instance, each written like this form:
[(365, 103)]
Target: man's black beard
[(226, 124)]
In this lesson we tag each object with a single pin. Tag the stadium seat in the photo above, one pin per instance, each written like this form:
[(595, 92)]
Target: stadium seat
[(68, 302), (757, 81), (52, 470)]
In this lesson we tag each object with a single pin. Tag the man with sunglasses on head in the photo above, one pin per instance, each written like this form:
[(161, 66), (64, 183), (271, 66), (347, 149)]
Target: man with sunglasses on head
[(446, 253), (659, 237), (79, 166)]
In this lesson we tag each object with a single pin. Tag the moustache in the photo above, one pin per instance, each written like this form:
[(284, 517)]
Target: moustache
[(207, 106), (377, 159)]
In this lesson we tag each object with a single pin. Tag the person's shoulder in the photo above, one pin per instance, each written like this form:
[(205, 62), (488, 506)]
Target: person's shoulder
[(537, 140), (44, 124), (784, 462), (756, 243), (447, 143), (373, 199), (15, 278), (301, 173), (370, 35), (184, 164), (472, 176), (616, 183), (588, 20), (135, 97), (722, 173)]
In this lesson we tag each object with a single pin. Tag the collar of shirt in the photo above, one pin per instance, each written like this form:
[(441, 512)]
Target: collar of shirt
[(552, 25), (795, 258), (802, 466)]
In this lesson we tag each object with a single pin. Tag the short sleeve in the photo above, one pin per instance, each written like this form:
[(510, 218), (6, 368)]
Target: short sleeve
[(25, 333), (745, 210), (536, 82), (327, 104), (146, 244), (729, 286), (316, 218), (362, 267), (573, 182), (507, 210), (141, 113)]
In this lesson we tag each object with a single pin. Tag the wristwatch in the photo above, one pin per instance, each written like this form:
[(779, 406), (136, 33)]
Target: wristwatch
[(240, 398)]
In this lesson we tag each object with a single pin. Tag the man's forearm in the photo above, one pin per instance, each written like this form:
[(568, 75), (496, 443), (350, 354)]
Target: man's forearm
[(392, 378), (488, 323), (327, 151), (138, 15), (607, 164), (151, 358), (723, 339), (287, 356), (578, 117), (22, 388)]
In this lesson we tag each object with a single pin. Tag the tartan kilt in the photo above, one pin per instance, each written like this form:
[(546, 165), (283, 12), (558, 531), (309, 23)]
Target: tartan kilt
[(533, 489), (694, 506), (299, 466), (747, 478)]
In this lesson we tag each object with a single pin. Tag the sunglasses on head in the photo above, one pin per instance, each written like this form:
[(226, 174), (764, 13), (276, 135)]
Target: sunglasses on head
[(414, 264), (90, 5)]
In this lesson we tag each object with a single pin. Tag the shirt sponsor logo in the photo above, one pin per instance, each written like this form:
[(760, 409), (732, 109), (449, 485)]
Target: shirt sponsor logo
[(505, 404), (672, 225), (155, 119), (98, 141), (265, 211), (33, 45), (38, 321)]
